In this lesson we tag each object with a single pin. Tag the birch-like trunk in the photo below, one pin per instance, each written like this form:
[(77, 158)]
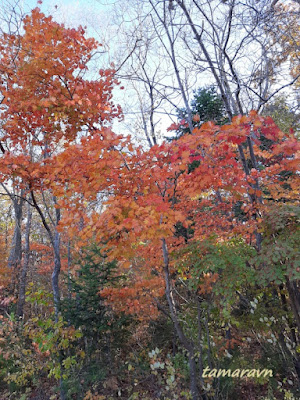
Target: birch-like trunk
[(15, 255), (23, 274)]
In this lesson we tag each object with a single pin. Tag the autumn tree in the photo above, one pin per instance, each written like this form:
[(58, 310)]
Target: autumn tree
[(285, 115), (140, 222), (286, 36), (46, 104)]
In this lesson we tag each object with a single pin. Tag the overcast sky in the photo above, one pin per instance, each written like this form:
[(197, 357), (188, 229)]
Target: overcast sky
[(72, 12)]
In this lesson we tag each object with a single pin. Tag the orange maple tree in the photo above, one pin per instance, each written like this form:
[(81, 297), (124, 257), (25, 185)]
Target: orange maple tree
[(49, 104)]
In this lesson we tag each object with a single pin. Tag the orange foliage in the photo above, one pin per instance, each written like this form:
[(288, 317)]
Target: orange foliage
[(208, 280), (153, 191)]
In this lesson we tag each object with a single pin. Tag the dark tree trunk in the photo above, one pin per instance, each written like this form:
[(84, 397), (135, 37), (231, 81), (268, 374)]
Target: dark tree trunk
[(187, 344)]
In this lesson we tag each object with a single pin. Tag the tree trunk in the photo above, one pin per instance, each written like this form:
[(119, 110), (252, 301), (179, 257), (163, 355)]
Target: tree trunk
[(55, 242), (23, 275), (187, 344), (173, 59), (294, 300), (15, 256), (56, 291), (55, 275), (199, 333)]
